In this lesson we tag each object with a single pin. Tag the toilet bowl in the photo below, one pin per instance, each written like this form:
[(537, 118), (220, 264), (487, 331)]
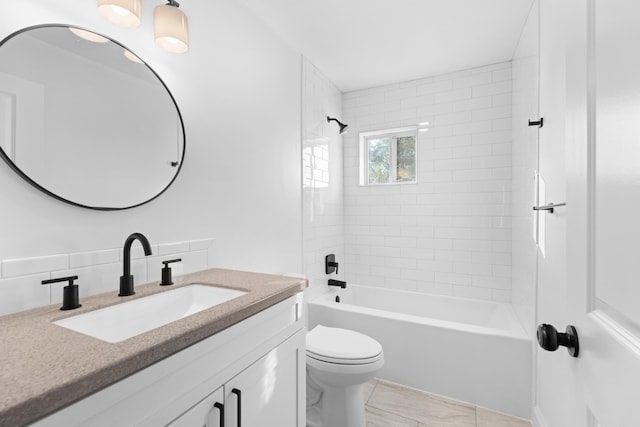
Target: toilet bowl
[(339, 362)]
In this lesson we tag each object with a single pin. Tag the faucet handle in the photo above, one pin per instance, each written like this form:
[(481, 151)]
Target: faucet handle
[(70, 297), (166, 263), (330, 264), (166, 272)]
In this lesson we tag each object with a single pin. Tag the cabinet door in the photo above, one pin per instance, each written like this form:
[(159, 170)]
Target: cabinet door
[(268, 393), (208, 413)]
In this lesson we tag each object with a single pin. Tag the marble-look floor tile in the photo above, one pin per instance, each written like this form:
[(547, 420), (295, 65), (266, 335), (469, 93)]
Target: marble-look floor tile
[(487, 418), (379, 418), (367, 389), (429, 410)]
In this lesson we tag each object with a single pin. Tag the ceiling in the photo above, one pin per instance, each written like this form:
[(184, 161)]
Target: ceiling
[(365, 43)]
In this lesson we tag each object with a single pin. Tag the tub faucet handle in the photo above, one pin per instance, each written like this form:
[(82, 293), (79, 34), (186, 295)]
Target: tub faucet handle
[(330, 264)]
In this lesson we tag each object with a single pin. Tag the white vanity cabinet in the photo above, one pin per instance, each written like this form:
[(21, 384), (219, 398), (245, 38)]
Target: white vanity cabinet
[(264, 394), (208, 413), (255, 368)]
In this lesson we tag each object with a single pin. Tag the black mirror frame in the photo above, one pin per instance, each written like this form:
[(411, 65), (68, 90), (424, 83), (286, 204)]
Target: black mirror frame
[(24, 176)]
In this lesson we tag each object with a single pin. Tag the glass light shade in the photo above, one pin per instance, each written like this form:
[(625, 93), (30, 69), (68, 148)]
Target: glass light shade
[(123, 13), (171, 28), (88, 35)]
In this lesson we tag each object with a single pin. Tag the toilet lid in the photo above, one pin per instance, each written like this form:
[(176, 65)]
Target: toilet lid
[(338, 345)]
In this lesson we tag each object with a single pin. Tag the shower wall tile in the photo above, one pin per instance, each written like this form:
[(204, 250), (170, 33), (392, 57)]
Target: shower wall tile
[(524, 165), (451, 232), (98, 272), (322, 186)]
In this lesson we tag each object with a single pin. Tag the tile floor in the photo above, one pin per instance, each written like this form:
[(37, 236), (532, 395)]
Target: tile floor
[(392, 405)]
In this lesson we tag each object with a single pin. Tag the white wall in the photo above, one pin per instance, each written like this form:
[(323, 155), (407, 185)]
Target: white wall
[(239, 93), (450, 233), (322, 187)]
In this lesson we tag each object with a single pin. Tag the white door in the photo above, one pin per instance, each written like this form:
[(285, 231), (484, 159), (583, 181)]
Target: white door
[(555, 379), (601, 387)]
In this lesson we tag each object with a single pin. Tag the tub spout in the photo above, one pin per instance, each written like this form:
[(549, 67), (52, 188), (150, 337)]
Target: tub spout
[(333, 282)]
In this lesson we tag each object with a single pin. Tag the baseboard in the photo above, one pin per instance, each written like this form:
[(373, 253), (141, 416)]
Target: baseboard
[(537, 419)]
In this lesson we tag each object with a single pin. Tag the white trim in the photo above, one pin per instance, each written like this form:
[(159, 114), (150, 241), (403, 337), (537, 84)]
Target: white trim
[(537, 419)]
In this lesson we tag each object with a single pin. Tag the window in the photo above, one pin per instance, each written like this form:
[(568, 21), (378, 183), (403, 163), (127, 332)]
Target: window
[(388, 156)]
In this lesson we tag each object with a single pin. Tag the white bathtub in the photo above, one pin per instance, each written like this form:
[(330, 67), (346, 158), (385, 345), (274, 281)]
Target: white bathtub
[(470, 350)]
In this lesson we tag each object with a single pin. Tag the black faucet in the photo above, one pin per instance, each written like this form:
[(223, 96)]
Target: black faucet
[(333, 282), (126, 280)]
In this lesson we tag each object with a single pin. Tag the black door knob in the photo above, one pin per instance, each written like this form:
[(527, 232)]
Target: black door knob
[(550, 339)]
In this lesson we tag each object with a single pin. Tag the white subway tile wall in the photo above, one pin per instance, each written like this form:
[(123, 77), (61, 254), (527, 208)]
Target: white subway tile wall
[(451, 232), (26, 266), (322, 187), (525, 164), (24, 292), (97, 271)]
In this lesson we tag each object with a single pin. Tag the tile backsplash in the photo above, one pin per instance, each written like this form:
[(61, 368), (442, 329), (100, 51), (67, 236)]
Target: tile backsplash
[(98, 272)]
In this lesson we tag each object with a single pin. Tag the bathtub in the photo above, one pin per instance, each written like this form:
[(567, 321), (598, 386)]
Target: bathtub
[(469, 350)]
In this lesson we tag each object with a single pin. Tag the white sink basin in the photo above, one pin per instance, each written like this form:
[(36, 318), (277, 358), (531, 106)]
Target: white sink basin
[(128, 319)]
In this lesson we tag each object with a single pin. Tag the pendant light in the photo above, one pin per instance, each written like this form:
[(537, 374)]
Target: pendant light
[(171, 28), (123, 13)]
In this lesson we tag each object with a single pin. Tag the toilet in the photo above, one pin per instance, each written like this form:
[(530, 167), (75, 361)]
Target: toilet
[(339, 362)]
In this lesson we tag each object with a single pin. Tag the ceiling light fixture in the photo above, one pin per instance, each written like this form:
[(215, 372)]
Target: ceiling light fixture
[(343, 127), (170, 24), (171, 28), (123, 13)]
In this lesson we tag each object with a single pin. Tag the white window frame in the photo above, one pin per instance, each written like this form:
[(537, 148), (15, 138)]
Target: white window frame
[(394, 134)]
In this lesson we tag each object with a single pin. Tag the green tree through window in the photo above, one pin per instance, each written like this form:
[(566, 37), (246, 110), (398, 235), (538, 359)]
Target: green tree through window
[(379, 160), (388, 157), (406, 161)]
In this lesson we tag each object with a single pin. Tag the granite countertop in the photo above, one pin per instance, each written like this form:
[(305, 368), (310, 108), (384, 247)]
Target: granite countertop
[(45, 367)]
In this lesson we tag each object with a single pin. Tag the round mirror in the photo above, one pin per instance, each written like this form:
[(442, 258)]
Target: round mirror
[(85, 120)]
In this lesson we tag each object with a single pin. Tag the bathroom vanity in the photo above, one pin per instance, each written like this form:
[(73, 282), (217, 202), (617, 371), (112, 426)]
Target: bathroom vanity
[(239, 363)]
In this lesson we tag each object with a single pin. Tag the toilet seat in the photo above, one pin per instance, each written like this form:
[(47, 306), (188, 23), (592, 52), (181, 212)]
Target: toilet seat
[(342, 346)]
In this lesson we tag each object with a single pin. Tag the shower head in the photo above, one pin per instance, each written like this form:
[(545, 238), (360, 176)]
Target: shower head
[(343, 127)]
